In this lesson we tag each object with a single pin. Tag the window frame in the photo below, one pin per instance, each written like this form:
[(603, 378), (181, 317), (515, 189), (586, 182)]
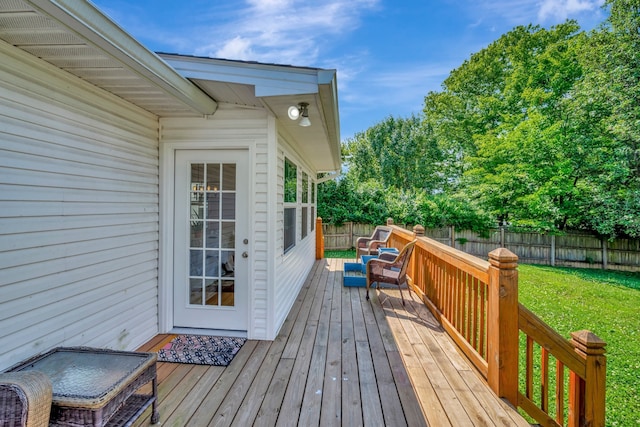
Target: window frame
[(304, 211)]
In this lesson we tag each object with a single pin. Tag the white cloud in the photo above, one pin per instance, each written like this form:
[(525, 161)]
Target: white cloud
[(522, 12), (514, 11), (563, 9), (283, 31), (238, 47)]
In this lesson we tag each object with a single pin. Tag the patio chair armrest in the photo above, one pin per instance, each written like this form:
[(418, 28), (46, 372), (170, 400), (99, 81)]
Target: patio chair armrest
[(375, 244), (362, 242), (388, 256), (26, 398), (376, 265)]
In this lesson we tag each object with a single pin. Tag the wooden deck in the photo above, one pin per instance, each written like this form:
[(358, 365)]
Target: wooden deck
[(338, 360)]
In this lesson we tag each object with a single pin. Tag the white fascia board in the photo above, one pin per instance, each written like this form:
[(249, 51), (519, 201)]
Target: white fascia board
[(268, 79), (329, 100), (90, 24)]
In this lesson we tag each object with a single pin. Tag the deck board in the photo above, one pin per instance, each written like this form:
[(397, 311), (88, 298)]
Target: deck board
[(338, 360)]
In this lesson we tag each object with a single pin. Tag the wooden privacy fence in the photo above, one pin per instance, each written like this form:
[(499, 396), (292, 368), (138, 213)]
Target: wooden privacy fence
[(476, 301), (569, 250)]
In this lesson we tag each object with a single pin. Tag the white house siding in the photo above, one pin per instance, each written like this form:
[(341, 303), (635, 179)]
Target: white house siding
[(231, 128), (78, 213), (293, 267)]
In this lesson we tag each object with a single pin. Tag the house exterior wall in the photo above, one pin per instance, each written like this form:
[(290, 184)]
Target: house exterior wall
[(275, 278), (229, 128), (78, 213), (292, 267)]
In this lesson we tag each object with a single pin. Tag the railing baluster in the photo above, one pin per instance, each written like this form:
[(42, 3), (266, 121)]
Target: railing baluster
[(559, 392), (544, 380), (529, 369), (483, 320)]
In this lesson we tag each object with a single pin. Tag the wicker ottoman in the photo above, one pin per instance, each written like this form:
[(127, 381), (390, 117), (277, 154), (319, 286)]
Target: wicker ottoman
[(25, 399), (97, 387)]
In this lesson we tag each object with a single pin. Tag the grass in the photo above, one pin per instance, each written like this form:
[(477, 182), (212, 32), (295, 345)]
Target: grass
[(604, 302), (346, 254)]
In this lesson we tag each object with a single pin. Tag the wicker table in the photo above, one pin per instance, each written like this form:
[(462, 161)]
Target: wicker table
[(97, 387)]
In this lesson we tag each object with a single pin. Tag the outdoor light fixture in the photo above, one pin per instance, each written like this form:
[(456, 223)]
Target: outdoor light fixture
[(301, 110)]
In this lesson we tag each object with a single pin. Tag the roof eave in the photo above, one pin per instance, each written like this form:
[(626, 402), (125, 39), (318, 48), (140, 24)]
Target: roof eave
[(90, 24), (272, 80)]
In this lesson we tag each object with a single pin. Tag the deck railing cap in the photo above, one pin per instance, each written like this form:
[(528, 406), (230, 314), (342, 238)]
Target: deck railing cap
[(588, 342), (503, 258)]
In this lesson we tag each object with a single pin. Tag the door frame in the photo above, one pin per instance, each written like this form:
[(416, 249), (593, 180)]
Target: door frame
[(166, 201)]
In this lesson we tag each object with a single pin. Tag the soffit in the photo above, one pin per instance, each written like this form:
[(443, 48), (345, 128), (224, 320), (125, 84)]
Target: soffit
[(76, 37)]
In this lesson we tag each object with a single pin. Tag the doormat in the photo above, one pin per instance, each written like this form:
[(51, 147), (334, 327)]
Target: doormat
[(201, 350)]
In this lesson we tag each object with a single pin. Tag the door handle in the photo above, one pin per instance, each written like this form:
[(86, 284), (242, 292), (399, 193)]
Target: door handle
[(245, 255)]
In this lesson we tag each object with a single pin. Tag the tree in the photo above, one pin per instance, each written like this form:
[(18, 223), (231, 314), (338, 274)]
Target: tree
[(398, 152), (606, 108), (506, 118), (541, 130)]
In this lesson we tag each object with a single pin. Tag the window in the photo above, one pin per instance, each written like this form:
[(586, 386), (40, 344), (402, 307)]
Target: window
[(289, 228), (305, 208), (290, 201), (313, 207), (305, 188), (290, 182)]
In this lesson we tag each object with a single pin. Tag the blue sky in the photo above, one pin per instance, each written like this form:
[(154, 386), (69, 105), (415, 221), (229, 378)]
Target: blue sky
[(389, 53)]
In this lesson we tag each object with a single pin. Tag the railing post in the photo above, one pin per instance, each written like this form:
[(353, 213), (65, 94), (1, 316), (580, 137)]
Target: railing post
[(319, 239), (418, 231), (502, 324), (389, 221), (587, 396)]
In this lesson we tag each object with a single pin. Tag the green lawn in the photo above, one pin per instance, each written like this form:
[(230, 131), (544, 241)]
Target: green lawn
[(347, 254), (604, 302)]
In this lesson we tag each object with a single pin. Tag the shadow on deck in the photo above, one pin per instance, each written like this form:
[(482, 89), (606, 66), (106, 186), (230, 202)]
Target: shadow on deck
[(338, 360)]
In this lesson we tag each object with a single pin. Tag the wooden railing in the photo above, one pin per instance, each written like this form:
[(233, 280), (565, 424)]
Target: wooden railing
[(476, 302), (582, 356), (319, 239)]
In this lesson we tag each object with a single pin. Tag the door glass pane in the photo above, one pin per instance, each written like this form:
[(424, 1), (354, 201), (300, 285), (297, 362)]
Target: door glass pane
[(229, 177), (213, 177), (229, 206), (228, 235), (228, 263), (211, 292), (213, 205), (197, 205), (197, 177), (196, 234), (212, 234), (211, 264), (228, 293), (195, 291), (196, 263)]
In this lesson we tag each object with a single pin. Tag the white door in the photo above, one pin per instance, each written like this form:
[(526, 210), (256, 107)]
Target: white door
[(211, 240)]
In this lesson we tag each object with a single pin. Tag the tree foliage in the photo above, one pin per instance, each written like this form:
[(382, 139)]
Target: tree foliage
[(541, 129), (396, 152)]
